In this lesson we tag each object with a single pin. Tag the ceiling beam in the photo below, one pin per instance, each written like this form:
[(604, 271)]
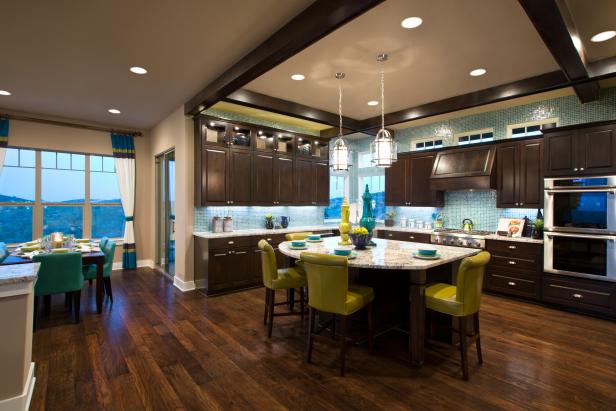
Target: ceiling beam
[(554, 24), (315, 22), (260, 101)]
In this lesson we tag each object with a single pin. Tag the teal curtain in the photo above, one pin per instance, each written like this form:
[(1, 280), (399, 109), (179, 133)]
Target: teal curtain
[(124, 155)]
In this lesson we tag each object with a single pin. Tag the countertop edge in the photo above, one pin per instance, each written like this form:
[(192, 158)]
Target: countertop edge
[(18, 273)]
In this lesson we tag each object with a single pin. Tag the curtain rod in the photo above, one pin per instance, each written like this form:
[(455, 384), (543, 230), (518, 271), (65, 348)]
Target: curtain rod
[(69, 124)]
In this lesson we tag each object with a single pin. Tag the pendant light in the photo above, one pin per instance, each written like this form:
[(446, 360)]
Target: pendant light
[(384, 149), (340, 153)]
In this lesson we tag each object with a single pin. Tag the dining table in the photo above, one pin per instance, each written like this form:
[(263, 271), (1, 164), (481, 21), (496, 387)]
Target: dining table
[(397, 256), (93, 256)]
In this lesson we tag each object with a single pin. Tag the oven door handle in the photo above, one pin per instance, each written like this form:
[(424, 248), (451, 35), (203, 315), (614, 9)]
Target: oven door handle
[(594, 237), (581, 190)]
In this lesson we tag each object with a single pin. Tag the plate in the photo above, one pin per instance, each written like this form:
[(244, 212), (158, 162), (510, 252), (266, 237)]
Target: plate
[(426, 257), (350, 257), (298, 248), (314, 241)]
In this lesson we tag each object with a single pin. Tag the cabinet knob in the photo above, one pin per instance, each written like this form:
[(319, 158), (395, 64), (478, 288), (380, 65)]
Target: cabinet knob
[(269, 239), (231, 201), (581, 168), (575, 169), (578, 296), (512, 262), (231, 242), (511, 283), (521, 204), (412, 237), (389, 235), (513, 247), (517, 204)]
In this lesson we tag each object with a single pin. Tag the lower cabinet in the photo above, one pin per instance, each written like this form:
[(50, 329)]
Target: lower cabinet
[(580, 293), (403, 236)]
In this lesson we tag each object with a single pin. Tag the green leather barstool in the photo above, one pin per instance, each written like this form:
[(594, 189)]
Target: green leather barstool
[(89, 272), (275, 278), (462, 301), (59, 273), (329, 292)]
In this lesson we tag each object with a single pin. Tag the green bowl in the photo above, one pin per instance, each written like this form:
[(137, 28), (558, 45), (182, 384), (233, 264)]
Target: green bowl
[(345, 252), (314, 237), (298, 243), (426, 252)]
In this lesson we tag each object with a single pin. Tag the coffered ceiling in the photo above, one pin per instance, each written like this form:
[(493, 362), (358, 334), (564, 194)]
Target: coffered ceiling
[(426, 64)]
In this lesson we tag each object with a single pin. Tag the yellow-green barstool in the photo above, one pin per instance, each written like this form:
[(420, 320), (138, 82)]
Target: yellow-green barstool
[(329, 292), (278, 279), (297, 236), (462, 301)]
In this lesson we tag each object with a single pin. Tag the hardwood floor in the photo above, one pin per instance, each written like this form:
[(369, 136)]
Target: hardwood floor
[(158, 348)]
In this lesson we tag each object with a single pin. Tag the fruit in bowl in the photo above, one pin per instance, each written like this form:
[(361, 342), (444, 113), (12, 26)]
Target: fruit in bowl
[(360, 237)]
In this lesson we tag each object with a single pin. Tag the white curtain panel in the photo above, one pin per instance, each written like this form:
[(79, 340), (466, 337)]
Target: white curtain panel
[(125, 172)]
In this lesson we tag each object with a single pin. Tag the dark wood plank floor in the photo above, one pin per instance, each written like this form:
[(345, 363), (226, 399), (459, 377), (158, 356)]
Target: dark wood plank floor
[(158, 348)]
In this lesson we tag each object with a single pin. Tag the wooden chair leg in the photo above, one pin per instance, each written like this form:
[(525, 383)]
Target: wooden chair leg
[(272, 300), (291, 294), (301, 303), (463, 346), (370, 329), (46, 304), (77, 304), (35, 313), (343, 335), (107, 283), (311, 315), (478, 337), (266, 306)]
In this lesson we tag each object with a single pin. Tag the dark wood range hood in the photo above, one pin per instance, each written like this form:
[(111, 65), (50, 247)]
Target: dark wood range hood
[(468, 168)]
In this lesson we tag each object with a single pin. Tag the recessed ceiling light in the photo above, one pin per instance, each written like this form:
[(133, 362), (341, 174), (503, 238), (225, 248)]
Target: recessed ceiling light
[(138, 70), (373, 103), (4, 93), (478, 72), (603, 36), (114, 111), (411, 22), (298, 77)]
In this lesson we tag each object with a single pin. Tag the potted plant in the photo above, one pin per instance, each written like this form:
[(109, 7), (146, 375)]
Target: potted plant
[(360, 237), (538, 229), (269, 221), (389, 219)]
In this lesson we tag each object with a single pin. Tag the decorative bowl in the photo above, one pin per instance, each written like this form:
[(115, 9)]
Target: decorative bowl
[(427, 252), (360, 241), (314, 237), (298, 243), (345, 252)]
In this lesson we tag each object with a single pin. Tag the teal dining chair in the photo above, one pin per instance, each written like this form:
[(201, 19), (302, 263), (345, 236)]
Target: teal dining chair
[(59, 273), (4, 252), (101, 244), (89, 272)]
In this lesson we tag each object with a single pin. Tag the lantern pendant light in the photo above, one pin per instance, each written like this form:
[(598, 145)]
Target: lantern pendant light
[(384, 149), (340, 153)]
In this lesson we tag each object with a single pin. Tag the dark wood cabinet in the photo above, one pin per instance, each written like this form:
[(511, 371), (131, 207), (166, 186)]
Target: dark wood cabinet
[(519, 174), (304, 183), (403, 236), (579, 293), (321, 183), (239, 176), (214, 175), (263, 179), (580, 150), (407, 182), (284, 172)]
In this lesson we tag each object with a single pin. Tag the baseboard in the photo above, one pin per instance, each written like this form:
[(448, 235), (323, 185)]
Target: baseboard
[(140, 263), (22, 401), (183, 285)]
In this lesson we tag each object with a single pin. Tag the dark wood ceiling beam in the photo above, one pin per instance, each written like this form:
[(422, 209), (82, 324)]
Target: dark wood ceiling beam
[(289, 108), (315, 22), (553, 22)]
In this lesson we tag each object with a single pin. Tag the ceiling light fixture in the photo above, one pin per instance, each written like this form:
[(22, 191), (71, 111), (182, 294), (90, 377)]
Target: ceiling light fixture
[(4, 93), (340, 153), (384, 149), (298, 77), (478, 72), (138, 70), (114, 111), (411, 22), (603, 36), (373, 103)]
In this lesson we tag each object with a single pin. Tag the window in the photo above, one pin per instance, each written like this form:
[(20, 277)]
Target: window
[(78, 195), (477, 136), (532, 128), (17, 195), (365, 160), (376, 185), (338, 189), (427, 143)]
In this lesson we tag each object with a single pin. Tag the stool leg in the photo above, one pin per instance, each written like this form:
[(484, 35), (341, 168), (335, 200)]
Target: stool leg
[(301, 303), (272, 300), (46, 304), (291, 294), (311, 314), (478, 338), (343, 334), (370, 329), (266, 306), (463, 346)]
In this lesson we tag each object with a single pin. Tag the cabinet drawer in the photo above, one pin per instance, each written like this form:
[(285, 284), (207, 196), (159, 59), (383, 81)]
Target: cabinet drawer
[(228, 242), (579, 293), (273, 239), (514, 263), (512, 283), (404, 236), (516, 249)]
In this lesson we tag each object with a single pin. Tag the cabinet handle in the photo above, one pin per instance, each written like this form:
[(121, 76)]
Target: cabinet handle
[(513, 247), (581, 168), (231, 201), (511, 283), (512, 262), (269, 239), (578, 296), (575, 169), (521, 204), (239, 252), (389, 235), (517, 204), (231, 242), (412, 237), (220, 255)]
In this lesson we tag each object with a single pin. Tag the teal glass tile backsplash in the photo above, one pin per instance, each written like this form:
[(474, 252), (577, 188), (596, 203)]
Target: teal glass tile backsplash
[(254, 217)]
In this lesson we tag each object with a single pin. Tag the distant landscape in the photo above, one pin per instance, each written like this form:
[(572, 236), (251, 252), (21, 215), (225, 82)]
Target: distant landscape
[(333, 211), (16, 221)]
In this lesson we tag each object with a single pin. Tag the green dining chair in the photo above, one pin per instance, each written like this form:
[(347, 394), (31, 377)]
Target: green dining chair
[(89, 272), (329, 292), (101, 245), (4, 252), (462, 301), (59, 273), (275, 278)]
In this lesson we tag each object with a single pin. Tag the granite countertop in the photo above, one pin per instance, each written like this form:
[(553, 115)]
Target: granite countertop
[(18, 273), (388, 254), (263, 231), (488, 237), (518, 239)]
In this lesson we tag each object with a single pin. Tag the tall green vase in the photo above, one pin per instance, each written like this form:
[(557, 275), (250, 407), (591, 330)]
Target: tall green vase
[(367, 219)]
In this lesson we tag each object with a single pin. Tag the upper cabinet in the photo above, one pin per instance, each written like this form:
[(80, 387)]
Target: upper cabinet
[(581, 150), (519, 174), (407, 182)]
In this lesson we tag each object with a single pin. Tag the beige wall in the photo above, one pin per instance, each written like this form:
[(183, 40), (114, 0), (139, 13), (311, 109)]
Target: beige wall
[(49, 137), (176, 131)]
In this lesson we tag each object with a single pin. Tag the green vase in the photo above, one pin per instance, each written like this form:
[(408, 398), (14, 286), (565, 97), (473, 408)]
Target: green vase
[(367, 219)]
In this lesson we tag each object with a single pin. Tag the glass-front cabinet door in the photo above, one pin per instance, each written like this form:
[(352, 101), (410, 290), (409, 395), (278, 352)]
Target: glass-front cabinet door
[(304, 146), (285, 143), (265, 140), (240, 137), (320, 149), (214, 133)]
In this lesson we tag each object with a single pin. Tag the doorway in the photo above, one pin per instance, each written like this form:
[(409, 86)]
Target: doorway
[(165, 212)]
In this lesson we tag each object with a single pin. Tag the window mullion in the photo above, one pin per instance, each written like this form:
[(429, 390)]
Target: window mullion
[(87, 206), (37, 211)]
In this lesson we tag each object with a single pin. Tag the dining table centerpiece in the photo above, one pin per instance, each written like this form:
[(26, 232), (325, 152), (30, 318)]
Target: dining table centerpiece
[(360, 237), (345, 225), (367, 220)]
